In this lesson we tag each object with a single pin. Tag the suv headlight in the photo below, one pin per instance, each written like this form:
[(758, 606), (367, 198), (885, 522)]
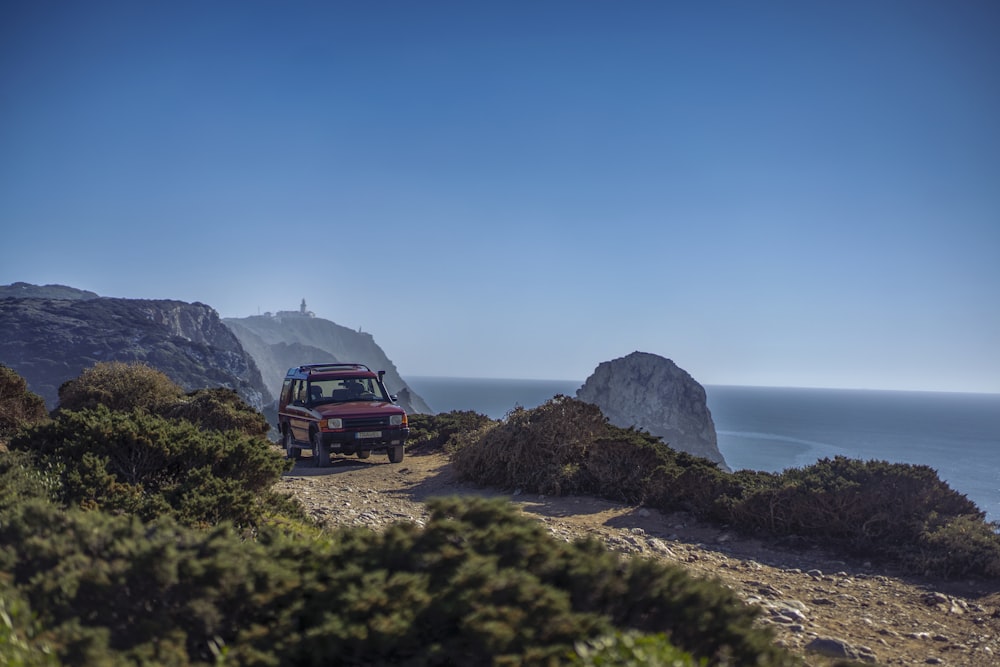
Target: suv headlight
[(335, 423), (396, 420)]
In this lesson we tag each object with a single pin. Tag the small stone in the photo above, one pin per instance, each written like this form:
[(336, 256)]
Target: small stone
[(932, 599), (644, 513), (838, 648)]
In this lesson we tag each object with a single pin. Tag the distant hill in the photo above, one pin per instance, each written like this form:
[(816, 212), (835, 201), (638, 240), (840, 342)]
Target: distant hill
[(29, 291), (51, 340), (292, 338)]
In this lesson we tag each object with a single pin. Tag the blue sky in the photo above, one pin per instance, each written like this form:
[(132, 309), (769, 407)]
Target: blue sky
[(769, 193)]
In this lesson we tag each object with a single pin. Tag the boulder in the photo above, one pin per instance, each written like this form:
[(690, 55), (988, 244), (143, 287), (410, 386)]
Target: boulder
[(653, 394)]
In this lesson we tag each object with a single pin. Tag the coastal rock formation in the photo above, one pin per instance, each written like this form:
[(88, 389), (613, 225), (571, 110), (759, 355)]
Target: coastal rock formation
[(285, 339), (653, 394), (51, 340)]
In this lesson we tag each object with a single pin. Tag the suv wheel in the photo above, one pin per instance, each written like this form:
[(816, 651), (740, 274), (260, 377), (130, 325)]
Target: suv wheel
[(292, 451), (364, 453), (320, 451), (395, 453)]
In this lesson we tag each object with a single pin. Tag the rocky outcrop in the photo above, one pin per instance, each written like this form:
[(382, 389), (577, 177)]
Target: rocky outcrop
[(49, 341), (652, 393), (292, 338)]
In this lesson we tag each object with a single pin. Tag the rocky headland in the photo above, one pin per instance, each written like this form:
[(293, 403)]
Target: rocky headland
[(285, 339), (51, 340)]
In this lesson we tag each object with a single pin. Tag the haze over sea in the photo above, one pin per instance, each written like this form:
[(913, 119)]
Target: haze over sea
[(769, 428)]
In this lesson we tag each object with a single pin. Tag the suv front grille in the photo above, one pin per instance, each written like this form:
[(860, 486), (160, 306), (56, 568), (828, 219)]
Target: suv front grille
[(366, 423)]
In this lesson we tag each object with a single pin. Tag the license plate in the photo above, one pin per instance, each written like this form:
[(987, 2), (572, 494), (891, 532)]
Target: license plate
[(368, 434)]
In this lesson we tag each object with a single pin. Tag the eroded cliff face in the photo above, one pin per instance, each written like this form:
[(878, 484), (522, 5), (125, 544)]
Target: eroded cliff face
[(654, 394), (49, 341), (279, 342)]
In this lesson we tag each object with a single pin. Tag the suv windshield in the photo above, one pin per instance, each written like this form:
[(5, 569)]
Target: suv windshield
[(338, 390)]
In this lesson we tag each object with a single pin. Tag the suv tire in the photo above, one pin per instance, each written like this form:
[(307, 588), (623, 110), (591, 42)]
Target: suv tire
[(292, 451), (364, 453), (395, 454), (320, 451)]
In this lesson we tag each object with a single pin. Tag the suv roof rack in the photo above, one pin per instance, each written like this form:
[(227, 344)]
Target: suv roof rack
[(319, 368)]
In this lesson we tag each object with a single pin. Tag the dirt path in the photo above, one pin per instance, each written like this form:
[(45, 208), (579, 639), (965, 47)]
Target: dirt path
[(811, 599)]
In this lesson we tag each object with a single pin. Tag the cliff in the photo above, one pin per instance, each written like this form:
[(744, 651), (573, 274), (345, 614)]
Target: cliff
[(653, 394), (49, 341), (292, 338)]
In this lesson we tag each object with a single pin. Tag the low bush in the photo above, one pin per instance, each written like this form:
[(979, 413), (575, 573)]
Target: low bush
[(217, 409), (868, 506), (963, 546), (429, 433), (19, 643), (899, 512), (479, 584), (567, 446), (119, 386), (539, 450), (18, 406), (631, 649), (21, 480), (143, 464)]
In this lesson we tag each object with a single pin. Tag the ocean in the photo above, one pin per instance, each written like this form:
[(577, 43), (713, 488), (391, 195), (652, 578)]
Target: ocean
[(768, 428)]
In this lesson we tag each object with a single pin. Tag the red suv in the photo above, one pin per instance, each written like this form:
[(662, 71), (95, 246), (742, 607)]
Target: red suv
[(341, 408)]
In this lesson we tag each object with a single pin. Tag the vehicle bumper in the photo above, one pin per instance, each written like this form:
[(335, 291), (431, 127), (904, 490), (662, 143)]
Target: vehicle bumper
[(354, 440)]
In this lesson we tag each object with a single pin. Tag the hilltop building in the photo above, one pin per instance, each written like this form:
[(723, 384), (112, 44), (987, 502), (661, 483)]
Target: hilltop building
[(301, 312)]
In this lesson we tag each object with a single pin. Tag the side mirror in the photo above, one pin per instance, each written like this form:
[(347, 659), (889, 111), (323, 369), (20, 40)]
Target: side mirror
[(394, 398)]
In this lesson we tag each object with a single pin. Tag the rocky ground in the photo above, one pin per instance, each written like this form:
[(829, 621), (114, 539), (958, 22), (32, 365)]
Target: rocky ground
[(819, 605)]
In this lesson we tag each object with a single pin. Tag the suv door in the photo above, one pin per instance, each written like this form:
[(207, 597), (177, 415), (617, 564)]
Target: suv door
[(298, 413)]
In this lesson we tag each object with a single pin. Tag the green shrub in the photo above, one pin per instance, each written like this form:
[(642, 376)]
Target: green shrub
[(632, 649), (892, 511), (483, 584), (960, 547), (18, 406), (480, 584), (144, 464), (870, 507), (19, 643), (540, 450), (113, 590), (218, 409), (430, 433), (119, 386), (567, 446), (21, 479)]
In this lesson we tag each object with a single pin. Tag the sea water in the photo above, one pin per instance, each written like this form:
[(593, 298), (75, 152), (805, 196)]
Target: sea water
[(771, 429)]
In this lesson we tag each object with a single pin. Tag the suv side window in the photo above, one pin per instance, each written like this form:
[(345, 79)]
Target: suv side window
[(286, 393), (299, 392)]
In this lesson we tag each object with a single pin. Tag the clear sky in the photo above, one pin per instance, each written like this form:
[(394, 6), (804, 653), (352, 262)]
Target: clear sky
[(768, 193)]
